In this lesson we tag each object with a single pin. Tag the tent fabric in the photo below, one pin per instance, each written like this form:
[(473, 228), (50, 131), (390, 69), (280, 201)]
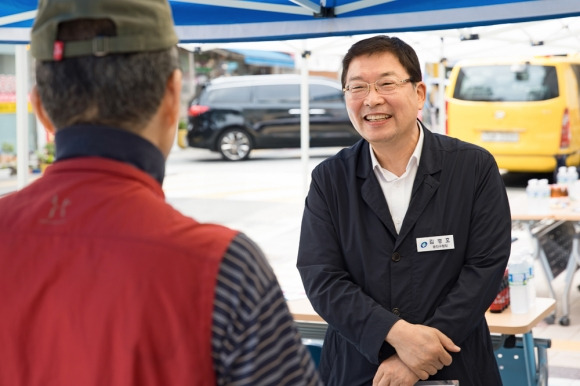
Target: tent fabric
[(391, 16), (207, 21), (265, 58)]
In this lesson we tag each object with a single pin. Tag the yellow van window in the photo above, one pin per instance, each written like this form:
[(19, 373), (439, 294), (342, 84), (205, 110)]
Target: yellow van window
[(507, 83), (576, 69)]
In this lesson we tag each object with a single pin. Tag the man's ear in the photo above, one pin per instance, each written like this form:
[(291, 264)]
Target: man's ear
[(40, 112), (421, 94), (172, 98)]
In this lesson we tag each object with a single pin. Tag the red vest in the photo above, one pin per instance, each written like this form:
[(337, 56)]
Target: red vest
[(103, 283)]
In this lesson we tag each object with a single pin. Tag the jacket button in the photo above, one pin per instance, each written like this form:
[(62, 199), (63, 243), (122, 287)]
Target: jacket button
[(396, 257), (396, 311)]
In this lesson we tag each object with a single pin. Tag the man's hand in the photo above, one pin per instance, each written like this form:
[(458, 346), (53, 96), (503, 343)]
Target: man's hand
[(423, 349), (394, 372)]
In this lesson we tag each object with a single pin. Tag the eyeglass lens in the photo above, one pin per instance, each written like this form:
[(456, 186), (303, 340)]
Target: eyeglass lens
[(386, 85)]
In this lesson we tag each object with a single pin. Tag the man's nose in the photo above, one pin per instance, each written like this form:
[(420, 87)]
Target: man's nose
[(373, 97)]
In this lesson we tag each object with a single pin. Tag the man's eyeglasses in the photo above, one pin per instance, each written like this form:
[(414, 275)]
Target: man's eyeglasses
[(384, 86)]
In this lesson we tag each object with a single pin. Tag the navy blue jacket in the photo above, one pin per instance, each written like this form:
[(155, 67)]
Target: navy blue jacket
[(361, 277)]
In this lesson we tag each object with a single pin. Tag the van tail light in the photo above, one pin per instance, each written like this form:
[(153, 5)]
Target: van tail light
[(447, 117), (565, 136), (196, 110)]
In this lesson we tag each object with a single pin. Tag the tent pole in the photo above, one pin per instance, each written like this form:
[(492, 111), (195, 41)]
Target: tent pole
[(442, 118), (304, 120), (22, 115), (191, 68)]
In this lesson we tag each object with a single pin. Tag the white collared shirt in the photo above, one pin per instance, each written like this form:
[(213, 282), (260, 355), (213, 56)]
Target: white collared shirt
[(397, 190)]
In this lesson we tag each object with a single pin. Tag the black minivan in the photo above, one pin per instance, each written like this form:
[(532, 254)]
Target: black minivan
[(233, 115)]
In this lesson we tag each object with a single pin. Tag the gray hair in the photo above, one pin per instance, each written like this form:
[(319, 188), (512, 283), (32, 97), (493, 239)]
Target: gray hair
[(120, 90)]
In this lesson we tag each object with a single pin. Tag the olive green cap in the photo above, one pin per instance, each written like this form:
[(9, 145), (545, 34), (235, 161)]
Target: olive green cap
[(142, 25)]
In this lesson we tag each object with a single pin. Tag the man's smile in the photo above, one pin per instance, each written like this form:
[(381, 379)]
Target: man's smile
[(377, 117)]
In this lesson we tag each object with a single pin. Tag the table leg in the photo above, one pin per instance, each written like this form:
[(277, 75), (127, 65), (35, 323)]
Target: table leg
[(573, 260), (540, 255), (530, 358), (543, 364)]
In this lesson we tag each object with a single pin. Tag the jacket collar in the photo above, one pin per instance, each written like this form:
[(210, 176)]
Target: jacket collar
[(108, 142), (430, 162), (424, 187)]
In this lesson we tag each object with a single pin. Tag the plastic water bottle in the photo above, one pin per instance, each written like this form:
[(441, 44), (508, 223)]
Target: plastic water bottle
[(572, 177), (562, 176), (544, 193), (533, 195), (517, 276), (575, 194), (528, 260), (572, 174)]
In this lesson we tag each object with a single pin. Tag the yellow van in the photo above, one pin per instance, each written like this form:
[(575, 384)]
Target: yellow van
[(525, 112)]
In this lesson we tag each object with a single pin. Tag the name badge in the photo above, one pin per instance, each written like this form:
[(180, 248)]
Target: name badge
[(435, 243)]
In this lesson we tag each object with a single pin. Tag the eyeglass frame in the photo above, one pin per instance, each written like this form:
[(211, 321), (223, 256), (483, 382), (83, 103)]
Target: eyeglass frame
[(398, 84)]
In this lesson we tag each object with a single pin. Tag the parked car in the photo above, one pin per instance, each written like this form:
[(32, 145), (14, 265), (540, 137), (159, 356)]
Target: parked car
[(234, 115), (525, 112)]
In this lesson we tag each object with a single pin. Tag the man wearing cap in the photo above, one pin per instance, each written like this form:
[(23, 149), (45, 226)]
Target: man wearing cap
[(101, 281)]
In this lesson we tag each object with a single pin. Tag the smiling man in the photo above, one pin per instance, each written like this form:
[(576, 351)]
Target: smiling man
[(405, 237), (102, 282)]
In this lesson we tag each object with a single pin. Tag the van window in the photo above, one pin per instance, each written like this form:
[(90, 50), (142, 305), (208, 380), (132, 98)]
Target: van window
[(226, 95), (509, 83), (576, 69), (322, 93), (278, 93)]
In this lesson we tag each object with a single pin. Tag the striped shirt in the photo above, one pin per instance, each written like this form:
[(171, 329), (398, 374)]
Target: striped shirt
[(254, 338)]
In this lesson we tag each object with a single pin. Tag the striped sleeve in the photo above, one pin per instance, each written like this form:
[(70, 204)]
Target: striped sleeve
[(254, 338)]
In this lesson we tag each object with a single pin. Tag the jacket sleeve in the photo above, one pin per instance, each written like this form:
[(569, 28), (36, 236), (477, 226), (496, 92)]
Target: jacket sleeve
[(357, 317), (486, 255)]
